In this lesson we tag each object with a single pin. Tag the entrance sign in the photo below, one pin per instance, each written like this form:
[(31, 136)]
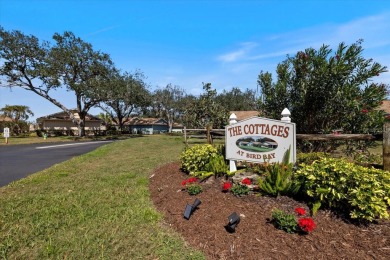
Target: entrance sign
[(6, 132), (260, 140)]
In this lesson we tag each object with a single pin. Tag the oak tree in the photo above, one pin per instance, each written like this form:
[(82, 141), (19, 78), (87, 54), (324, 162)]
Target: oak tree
[(42, 68)]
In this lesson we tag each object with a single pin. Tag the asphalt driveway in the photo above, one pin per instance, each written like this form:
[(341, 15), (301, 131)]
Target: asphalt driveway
[(19, 161)]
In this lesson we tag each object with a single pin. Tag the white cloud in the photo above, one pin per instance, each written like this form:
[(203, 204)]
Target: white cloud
[(245, 48), (250, 57), (103, 30)]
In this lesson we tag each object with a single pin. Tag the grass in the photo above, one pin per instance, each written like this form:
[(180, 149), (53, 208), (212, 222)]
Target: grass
[(95, 206)]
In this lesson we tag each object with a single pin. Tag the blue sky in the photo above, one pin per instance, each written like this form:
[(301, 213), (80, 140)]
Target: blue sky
[(185, 43)]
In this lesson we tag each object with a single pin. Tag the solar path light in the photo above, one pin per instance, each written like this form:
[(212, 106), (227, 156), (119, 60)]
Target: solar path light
[(233, 219), (191, 208)]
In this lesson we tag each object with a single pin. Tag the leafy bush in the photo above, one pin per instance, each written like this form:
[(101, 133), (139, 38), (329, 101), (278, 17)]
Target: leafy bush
[(309, 158), (364, 193), (284, 221), (277, 180), (195, 158)]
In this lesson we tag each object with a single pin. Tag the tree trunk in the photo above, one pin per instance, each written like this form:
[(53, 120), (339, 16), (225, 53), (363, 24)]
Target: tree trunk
[(82, 127)]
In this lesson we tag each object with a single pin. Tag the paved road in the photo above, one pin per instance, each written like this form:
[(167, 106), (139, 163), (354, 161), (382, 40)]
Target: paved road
[(19, 161)]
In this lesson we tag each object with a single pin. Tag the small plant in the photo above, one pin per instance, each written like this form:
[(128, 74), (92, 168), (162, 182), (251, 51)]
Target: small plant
[(284, 221), (192, 186), (226, 186), (300, 211), (239, 190), (189, 181), (288, 222), (306, 224), (217, 165), (246, 181), (277, 180), (194, 189)]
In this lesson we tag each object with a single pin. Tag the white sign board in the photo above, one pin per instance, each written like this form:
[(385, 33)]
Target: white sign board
[(260, 140), (6, 132)]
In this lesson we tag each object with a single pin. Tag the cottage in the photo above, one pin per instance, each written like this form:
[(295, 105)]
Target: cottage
[(138, 125), (61, 123), (241, 115), (385, 106), (4, 121)]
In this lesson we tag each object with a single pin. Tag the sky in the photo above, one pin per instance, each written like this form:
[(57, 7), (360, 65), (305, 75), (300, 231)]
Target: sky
[(187, 43)]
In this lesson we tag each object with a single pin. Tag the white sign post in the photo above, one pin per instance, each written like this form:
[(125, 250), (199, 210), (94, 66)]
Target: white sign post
[(6, 134), (260, 140)]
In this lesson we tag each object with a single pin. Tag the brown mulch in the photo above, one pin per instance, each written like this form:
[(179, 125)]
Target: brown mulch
[(255, 237)]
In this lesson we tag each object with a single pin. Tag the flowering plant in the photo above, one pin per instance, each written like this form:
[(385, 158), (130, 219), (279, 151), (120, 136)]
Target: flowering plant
[(226, 186), (300, 211), (191, 185), (246, 181), (306, 224), (189, 181), (288, 222)]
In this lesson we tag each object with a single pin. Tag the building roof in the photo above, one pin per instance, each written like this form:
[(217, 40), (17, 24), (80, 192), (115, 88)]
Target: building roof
[(241, 115), (64, 116), (145, 121), (5, 119), (385, 106)]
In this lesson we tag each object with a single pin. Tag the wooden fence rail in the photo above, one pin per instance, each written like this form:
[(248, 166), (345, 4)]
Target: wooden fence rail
[(328, 137), (203, 134)]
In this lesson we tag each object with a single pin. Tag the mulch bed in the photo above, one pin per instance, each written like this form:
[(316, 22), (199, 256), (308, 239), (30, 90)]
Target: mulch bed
[(255, 237)]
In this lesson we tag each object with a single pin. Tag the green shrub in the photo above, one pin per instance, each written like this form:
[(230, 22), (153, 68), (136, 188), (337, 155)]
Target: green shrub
[(284, 221), (277, 180), (309, 158), (239, 189), (195, 158), (363, 193)]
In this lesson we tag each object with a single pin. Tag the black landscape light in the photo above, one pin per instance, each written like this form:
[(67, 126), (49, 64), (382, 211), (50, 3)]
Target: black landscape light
[(233, 219), (191, 208)]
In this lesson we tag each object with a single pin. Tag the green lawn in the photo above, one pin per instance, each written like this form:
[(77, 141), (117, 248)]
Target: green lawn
[(96, 206)]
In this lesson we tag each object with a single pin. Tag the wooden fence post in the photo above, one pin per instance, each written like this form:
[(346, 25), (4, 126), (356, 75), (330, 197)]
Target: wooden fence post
[(386, 146), (208, 134), (185, 135)]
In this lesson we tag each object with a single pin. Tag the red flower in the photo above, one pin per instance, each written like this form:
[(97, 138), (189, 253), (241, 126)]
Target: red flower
[(190, 180), (306, 224), (300, 211), (226, 186), (364, 111), (246, 181)]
